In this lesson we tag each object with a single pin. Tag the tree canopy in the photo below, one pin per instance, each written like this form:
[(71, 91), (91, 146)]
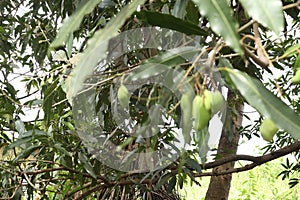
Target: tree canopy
[(110, 99)]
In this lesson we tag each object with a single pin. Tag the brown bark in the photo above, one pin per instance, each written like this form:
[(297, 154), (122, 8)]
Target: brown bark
[(219, 186)]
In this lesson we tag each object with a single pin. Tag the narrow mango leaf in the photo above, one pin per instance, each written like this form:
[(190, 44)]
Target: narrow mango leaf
[(297, 63), (162, 62), (48, 101), (192, 13), (66, 161), (17, 143), (268, 13), (69, 125), (96, 49), (26, 152), (73, 22), (62, 150), (179, 9), (266, 102), (219, 14), (171, 184), (180, 181), (87, 165), (20, 126), (194, 164), (163, 179), (170, 22), (25, 139), (293, 50)]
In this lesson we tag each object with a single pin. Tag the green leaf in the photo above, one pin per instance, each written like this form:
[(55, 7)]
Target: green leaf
[(69, 125), (170, 22), (180, 181), (62, 150), (162, 62), (297, 63), (96, 49), (171, 184), (34, 133), (73, 22), (163, 179), (60, 55), (179, 9), (20, 126), (17, 143), (25, 139), (219, 14), (194, 164), (266, 102), (25, 153), (66, 161), (50, 93), (87, 165), (192, 13), (268, 13), (293, 50)]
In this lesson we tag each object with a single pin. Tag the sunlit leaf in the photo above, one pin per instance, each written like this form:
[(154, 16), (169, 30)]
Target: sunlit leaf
[(266, 102), (20, 126), (295, 49), (73, 22), (60, 55), (268, 13), (219, 14), (297, 63), (96, 49)]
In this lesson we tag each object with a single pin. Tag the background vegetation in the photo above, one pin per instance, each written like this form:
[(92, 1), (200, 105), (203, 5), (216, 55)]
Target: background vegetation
[(260, 183), (54, 46)]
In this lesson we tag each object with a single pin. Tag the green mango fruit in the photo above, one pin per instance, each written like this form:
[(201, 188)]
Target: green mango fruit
[(203, 119), (200, 113), (217, 101), (207, 99), (268, 129), (296, 78), (198, 100), (123, 96)]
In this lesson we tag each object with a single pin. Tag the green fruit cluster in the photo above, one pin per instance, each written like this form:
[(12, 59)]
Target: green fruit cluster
[(268, 129), (204, 106), (200, 113), (123, 96)]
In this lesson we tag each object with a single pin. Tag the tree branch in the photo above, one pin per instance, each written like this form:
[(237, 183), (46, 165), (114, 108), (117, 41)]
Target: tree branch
[(66, 169), (257, 160)]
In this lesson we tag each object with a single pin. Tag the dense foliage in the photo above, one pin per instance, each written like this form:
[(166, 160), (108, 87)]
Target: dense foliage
[(52, 52)]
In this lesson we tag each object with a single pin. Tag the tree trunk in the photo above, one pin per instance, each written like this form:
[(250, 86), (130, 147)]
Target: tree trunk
[(219, 186)]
